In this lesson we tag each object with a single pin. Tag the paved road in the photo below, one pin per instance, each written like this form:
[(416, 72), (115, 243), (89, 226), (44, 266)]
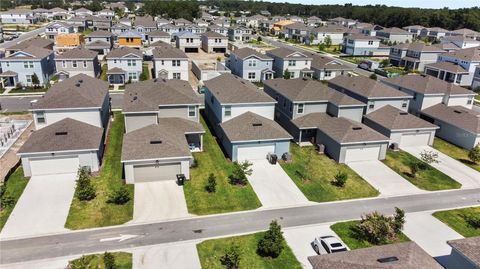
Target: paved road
[(89, 241), (23, 37), (22, 103), (279, 44)]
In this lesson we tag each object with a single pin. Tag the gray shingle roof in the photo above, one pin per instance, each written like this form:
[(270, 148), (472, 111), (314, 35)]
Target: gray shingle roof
[(409, 255), (469, 54), (469, 247), (287, 53), (427, 85), (393, 118), (448, 66), (230, 89), (100, 33), (71, 93), (367, 87), (326, 63), (166, 51), (247, 52), (64, 135), (211, 34), (252, 127), (78, 53), (124, 51), (158, 33), (149, 95), (35, 52), (146, 21), (458, 116)]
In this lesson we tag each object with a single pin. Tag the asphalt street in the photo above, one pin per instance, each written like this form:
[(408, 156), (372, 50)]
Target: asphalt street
[(103, 239)]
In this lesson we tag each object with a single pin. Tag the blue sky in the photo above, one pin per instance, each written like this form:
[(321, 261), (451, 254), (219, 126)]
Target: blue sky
[(452, 4)]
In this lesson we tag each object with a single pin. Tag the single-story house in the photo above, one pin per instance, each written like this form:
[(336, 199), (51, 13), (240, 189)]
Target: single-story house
[(465, 253)]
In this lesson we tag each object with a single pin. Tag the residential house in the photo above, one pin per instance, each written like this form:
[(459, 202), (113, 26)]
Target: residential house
[(414, 29), (162, 21), (254, 21), (358, 44), (314, 21), (68, 41), (250, 64), (326, 68), (465, 253), (371, 92), (242, 118), (55, 28), (21, 66), (18, 16), (107, 13), (278, 26), (462, 42), (194, 28), (41, 12), (214, 42), (187, 41), (181, 22), (145, 25), (170, 29), (131, 39), (82, 12), (35, 42), (465, 32), (57, 13), (218, 29), (80, 97), (342, 21), (124, 65), (79, 23), (297, 31), (239, 33), (335, 32), (435, 32), (126, 21), (295, 18), (119, 28), (296, 63), (476, 79), (414, 55), (101, 23), (170, 63), (77, 61), (457, 67), (221, 21), (395, 35), (99, 41), (157, 35)]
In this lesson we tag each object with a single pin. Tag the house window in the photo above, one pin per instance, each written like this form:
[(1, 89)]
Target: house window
[(85, 64), (74, 64), (469, 101), (292, 63), (26, 64), (176, 76), (29, 78), (306, 62), (7, 63), (371, 105), (40, 117), (251, 75), (131, 62), (176, 63), (370, 42), (64, 64), (252, 63), (132, 76), (192, 111), (228, 111), (404, 103), (300, 108), (328, 73), (163, 62)]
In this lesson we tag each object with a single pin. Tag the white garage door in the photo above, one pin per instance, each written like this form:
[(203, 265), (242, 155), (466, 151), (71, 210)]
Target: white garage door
[(61, 165), (362, 154), (147, 173), (416, 139), (254, 152)]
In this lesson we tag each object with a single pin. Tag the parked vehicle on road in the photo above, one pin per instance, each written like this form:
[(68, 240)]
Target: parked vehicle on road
[(329, 243), (369, 65)]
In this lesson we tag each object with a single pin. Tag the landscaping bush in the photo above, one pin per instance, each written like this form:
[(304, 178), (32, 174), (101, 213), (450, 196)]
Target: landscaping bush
[(474, 154), (109, 261), (414, 166), (340, 179), (120, 196), (35, 80), (240, 173), (211, 183), (85, 190), (286, 74), (231, 258), (80, 263), (429, 157), (472, 220), (6, 201), (272, 243), (373, 76), (377, 228)]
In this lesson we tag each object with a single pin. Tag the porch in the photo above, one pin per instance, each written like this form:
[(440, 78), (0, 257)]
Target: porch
[(8, 79), (195, 142), (267, 74), (116, 76), (449, 72)]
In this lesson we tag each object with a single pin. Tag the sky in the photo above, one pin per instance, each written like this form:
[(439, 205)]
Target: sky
[(452, 4)]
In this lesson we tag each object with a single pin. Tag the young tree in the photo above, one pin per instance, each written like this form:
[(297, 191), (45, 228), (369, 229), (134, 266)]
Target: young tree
[(211, 183), (340, 179), (429, 157), (376, 228), (472, 220), (474, 154), (119, 196), (272, 243), (259, 39), (231, 258), (414, 167), (85, 190), (398, 219), (238, 176), (35, 80), (328, 41), (286, 74), (109, 261)]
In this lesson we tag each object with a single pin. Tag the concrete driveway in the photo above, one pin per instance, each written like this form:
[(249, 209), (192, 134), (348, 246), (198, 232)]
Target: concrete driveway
[(300, 240), (273, 186), (43, 207), (159, 200), (178, 256), (430, 234), (384, 179), (468, 177)]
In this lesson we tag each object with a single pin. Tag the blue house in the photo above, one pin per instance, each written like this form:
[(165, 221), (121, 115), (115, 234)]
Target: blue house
[(250, 64)]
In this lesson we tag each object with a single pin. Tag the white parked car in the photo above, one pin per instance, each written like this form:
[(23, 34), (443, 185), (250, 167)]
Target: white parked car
[(329, 243)]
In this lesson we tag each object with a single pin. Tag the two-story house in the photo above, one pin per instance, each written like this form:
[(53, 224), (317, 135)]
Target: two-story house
[(434, 32), (131, 39), (218, 29), (55, 28), (18, 16), (22, 66), (414, 55), (476, 79), (187, 41), (334, 32), (297, 31), (77, 61), (158, 35), (239, 33), (414, 29), (170, 63), (99, 41), (326, 68), (287, 62), (242, 117), (358, 44), (35, 42), (170, 29), (101, 23), (124, 65), (145, 25), (107, 13), (395, 35), (214, 42), (119, 28), (250, 64), (371, 92), (82, 12)]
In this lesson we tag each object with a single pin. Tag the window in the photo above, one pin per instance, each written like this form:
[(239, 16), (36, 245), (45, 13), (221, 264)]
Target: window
[(74, 64), (292, 63), (85, 64), (370, 42), (114, 61), (176, 76), (192, 111), (328, 73), (371, 105), (175, 62), (28, 64), (251, 75), (469, 101), (7, 63), (131, 62), (228, 111), (306, 62), (64, 64), (29, 78), (132, 76), (252, 63), (40, 117), (404, 103), (300, 108)]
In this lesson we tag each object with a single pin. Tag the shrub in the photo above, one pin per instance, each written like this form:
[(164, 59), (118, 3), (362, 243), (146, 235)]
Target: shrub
[(80, 263), (286, 74), (373, 76), (259, 39), (378, 229), (35, 80), (211, 183), (109, 261), (414, 168), (398, 219), (7, 201), (85, 190), (143, 75), (119, 196), (472, 220), (429, 157), (340, 179), (474, 154), (272, 243), (240, 172), (231, 258)]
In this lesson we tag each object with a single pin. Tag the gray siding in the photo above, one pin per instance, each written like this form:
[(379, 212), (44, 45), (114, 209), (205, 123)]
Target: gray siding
[(456, 135), (177, 111), (351, 113), (281, 147), (137, 121), (457, 260)]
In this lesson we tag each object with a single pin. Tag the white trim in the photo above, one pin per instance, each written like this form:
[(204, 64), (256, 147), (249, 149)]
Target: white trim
[(61, 151), (148, 160)]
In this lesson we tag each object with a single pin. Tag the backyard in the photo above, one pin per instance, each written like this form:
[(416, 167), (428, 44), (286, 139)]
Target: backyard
[(97, 212), (227, 197), (103, 75), (457, 219), (14, 186), (455, 152), (429, 178), (211, 251), (322, 170)]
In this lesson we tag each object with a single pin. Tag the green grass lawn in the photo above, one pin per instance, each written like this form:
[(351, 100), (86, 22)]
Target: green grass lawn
[(227, 198), (97, 212), (455, 152), (347, 232), (429, 179), (477, 97), (103, 75), (123, 260), (211, 251), (14, 186), (319, 188), (28, 90), (146, 71), (454, 219)]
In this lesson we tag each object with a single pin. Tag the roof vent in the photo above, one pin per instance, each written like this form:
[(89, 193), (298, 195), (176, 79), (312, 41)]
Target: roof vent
[(458, 111), (164, 80), (61, 133), (256, 124), (77, 84), (403, 113), (135, 98), (155, 142), (356, 128), (155, 80), (387, 259), (80, 81)]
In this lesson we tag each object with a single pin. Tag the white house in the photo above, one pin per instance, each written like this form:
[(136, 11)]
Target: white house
[(124, 64), (170, 63)]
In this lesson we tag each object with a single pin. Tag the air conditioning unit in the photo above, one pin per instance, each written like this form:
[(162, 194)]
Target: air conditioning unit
[(320, 148), (287, 157), (394, 147)]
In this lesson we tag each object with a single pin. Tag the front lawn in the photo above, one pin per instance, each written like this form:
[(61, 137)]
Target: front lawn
[(227, 197), (429, 179), (97, 212), (146, 74), (123, 260), (455, 152), (28, 90), (456, 219), (347, 231), (103, 75), (13, 188), (211, 251), (319, 187)]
